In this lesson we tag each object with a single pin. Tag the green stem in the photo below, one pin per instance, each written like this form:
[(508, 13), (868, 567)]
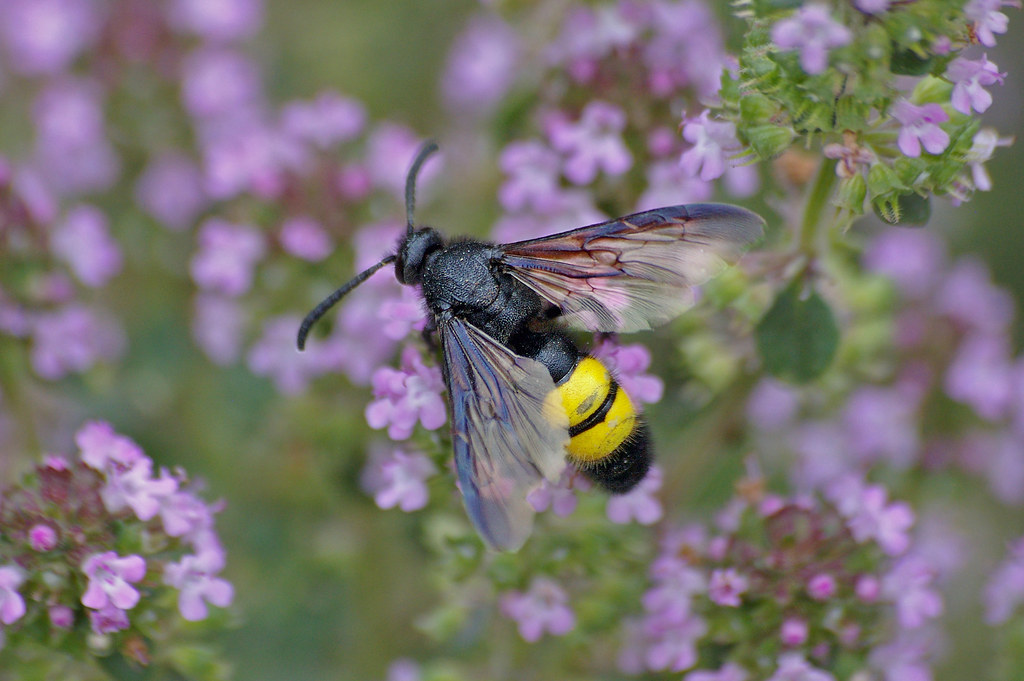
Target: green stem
[(814, 210)]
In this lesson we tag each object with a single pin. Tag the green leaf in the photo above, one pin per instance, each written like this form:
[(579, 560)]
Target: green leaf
[(798, 336)]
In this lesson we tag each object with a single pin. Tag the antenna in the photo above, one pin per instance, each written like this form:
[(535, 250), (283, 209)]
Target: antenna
[(328, 302), (410, 182)]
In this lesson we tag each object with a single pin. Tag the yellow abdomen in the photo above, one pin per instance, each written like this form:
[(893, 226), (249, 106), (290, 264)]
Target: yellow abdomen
[(601, 415)]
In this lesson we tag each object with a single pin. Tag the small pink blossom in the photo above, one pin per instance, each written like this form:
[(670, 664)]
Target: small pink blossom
[(103, 449), (543, 607), (640, 504), (135, 487), (593, 143), (42, 537), (726, 586), (227, 255), (110, 578), (407, 395), (713, 142), (12, 605), (304, 238), (531, 170), (61, 616), (793, 632), (909, 586), (108, 619), (920, 126), (629, 363), (970, 77), (987, 18), (730, 671), (399, 479), (195, 578), (560, 497), (325, 121), (674, 647), (793, 667), (814, 32), (83, 241), (821, 586)]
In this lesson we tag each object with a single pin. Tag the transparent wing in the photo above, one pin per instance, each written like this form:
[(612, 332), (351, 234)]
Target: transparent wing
[(508, 430), (635, 272)]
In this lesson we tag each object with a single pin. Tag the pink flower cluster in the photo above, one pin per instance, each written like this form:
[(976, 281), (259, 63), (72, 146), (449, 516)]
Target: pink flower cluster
[(74, 516)]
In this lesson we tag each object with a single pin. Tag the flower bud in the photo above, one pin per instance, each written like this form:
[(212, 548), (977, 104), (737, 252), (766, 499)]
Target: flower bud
[(768, 141)]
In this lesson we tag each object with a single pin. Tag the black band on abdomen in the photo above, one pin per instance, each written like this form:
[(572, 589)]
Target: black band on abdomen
[(598, 415)]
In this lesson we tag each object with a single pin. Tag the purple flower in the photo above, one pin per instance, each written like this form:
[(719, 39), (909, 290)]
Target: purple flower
[(217, 326), (1005, 589), (640, 503), (685, 50), (304, 238), (325, 121), (869, 517), (390, 149), (854, 159), (872, 6), (135, 487), (171, 190), (218, 20), (674, 647), (42, 537), (628, 364), (399, 479), (226, 257), (61, 616), (772, 405), (793, 632), (593, 143), (71, 340), (712, 142), (676, 582), (102, 449), (913, 258), (821, 586), (195, 578), (560, 497), (905, 657), (920, 126), (812, 31), (881, 423), (84, 243), (218, 81), (185, 515), (908, 586), (793, 667), (1000, 458), (668, 185), (544, 607), (45, 36), (404, 670), (274, 355), (987, 18), (531, 168), (970, 77), (12, 605), (481, 66), (71, 145), (730, 671), (590, 34), (981, 376), (407, 395), (983, 146), (867, 588), (969, 297), (569, 209), (249, 157), (110, 578), (108, 619), (726, 586)]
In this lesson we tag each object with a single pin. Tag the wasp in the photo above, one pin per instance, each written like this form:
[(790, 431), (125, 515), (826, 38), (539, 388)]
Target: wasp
[(523, 399)]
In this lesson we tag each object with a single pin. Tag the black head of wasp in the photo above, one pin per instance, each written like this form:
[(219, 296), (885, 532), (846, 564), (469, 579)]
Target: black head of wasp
[(523, 399)]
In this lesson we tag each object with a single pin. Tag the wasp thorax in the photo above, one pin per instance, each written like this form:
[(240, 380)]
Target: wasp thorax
[(412, 251)]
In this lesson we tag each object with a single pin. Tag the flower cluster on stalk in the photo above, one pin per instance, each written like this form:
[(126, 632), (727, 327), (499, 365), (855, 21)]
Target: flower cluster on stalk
[(104, 539)]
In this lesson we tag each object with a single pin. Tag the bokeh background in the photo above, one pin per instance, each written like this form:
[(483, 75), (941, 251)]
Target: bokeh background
[(327, 585)]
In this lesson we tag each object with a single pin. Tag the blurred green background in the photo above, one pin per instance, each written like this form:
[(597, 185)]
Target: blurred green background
[(327, 585)]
